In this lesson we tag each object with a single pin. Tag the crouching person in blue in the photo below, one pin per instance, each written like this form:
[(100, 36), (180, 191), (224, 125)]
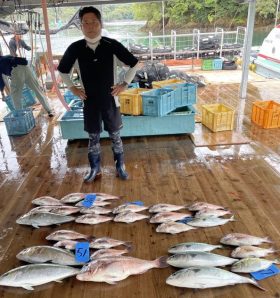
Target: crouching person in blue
[(96, 59)]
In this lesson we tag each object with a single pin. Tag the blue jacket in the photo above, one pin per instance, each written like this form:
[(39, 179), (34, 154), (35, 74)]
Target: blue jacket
[(6, 65)]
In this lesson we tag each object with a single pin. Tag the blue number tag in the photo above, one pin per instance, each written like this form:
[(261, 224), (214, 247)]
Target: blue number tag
[(262, 274), (185, 220), (89, 200), (82, 252), (139, 203)]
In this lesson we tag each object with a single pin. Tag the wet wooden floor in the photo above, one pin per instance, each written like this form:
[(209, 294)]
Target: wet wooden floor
[(170, 169)]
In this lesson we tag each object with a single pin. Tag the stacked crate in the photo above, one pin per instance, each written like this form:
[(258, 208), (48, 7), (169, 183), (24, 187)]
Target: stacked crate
[(212, 64), (28, 99)]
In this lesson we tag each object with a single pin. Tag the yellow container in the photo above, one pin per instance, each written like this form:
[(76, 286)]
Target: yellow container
[(131, 101), (217, 117), (160, 84), (266, 114)]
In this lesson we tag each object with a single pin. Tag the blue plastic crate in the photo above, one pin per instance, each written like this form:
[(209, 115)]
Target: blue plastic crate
[(217, 64), (76, 104), (158, 102), (133, 85), (69, 96), (184, 94), (19, 122), (28, 99)]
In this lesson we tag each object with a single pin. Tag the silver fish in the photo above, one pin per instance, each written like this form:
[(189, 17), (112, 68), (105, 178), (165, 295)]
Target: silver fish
[(32, 275), (252, 265), (112, 270), (172, 227), (73, 197), (95, 210), (106, 242), (199, 259), (212, 213), (164, 208), (129, 207), (92, 219), (207, 277), (107, 196), (168, 216), (62, 210), (46, 201), (248, 251), (42, 254), (202, 205), (192, 246), (67, 235), (129, 217), (108, 252), (238, 239), (209, 221), (43, 219)]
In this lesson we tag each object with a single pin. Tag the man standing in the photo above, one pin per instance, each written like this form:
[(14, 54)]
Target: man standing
[(96, 59), (16, 43)]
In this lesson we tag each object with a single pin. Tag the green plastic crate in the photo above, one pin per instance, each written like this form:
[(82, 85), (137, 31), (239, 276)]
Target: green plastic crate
[(207, 64)]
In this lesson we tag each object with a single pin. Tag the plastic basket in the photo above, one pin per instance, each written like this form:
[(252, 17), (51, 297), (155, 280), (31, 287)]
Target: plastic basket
[(184, 94), (160, 84), (217, 117), (217, 64), (76, 104), (28, 99), (19, 122), (266, 114), (158, 102), (131, 101), (207, 64), (69, 96)]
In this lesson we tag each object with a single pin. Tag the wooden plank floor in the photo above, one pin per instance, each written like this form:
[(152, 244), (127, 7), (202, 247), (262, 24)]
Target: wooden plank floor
[(245, 178)]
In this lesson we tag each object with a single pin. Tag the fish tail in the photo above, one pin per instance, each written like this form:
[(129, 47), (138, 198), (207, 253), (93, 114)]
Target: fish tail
[(128, 245), (232, 218), (253, 282), (128, 249), (90, 238), (276, 261), (268, 240), (161, 262)]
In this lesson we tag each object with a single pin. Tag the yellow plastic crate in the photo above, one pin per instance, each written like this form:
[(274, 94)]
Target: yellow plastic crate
[(217, 117), (266, 114), (131, 101), (160, 84)]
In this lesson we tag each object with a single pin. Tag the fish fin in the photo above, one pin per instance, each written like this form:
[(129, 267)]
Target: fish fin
[(35, 226), (161, 262), (27, 287), (232, 218), (252, 281), (59, 281)]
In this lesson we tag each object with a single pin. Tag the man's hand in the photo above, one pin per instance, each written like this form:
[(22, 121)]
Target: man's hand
[(117, 89), (79, 92)]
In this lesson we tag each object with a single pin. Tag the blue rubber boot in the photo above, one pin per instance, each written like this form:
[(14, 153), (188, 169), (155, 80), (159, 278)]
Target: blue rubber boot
[(120, 167), (95, 170)]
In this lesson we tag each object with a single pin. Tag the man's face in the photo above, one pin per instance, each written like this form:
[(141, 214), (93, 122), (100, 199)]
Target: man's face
[(90, 25)]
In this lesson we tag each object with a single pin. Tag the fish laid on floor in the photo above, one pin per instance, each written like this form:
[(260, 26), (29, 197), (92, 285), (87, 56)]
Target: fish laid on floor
[(47, 201), (207, 277), (92, 219), (129, 217), (248, 265), (72, 198), (248, 251), (62, 210), (42, 219), (199, 259), (108, 252), (112, 270), (129, 207), (173, 227), (165, 208), (238, 239), (168, 216), (95, 210), (106, 242), (211, 213), (32, 275), (43, 254), (107, 196), (209, 221), (192, 246), (202, 205), (67, 235)]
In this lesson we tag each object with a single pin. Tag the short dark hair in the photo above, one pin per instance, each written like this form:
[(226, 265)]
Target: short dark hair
[(89, 9)]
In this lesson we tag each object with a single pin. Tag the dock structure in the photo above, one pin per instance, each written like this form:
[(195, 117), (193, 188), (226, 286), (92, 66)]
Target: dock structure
[(242, 174)]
